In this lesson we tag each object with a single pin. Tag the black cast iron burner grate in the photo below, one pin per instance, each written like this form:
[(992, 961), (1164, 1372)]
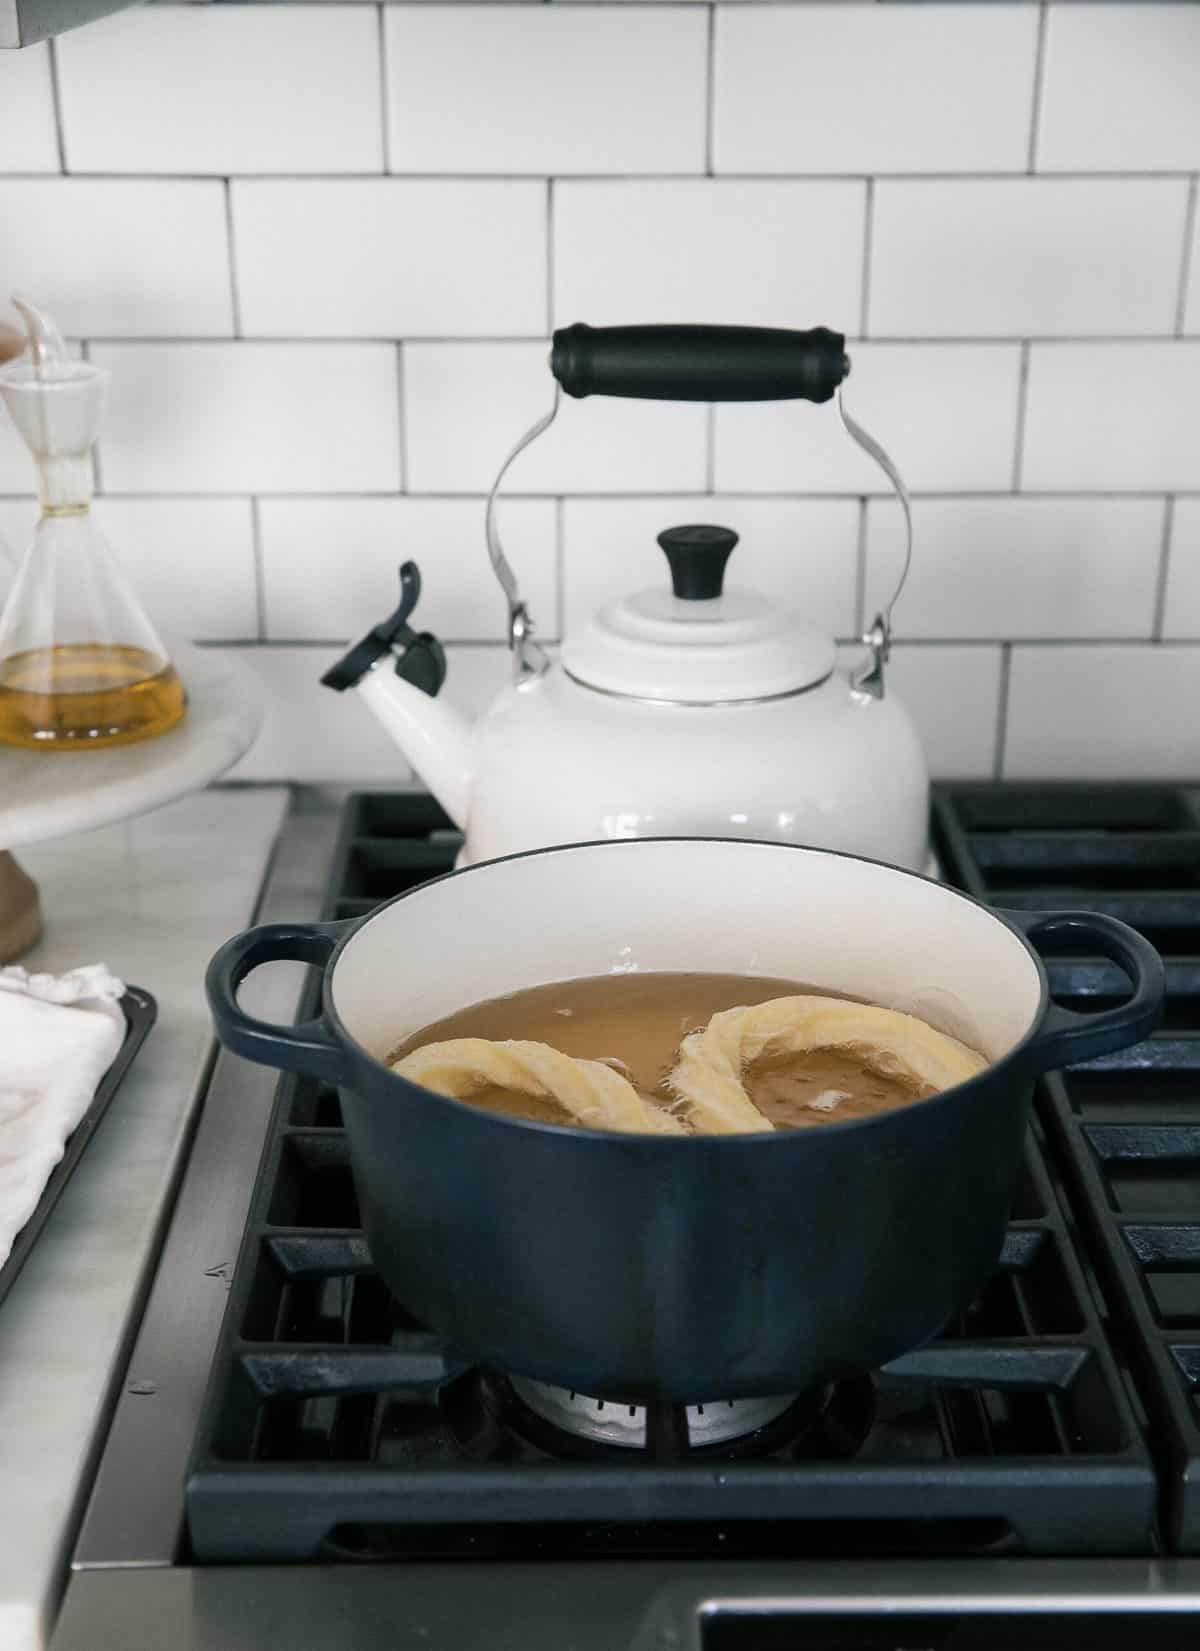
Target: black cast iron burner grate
[(337, 1426), (1126, 1129)]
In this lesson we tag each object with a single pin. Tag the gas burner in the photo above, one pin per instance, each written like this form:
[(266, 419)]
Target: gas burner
[(609, 1422), (832, 1421)]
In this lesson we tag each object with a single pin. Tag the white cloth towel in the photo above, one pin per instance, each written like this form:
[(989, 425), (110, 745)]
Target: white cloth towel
[(59, 1035)]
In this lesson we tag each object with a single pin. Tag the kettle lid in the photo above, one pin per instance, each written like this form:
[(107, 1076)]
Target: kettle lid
[(698, 644)]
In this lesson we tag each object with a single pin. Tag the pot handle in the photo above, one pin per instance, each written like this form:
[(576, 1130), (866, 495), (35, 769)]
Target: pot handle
[(307, 1047), (1066, 1036)]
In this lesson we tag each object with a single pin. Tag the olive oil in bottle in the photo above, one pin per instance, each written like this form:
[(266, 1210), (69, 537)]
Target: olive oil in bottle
[(81, 666), (87, 694)]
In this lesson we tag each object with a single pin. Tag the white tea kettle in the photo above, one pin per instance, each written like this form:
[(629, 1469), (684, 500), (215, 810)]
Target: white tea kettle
[(686, 708)]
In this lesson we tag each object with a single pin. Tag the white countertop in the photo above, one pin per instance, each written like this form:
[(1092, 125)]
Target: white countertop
[(47, 799), (153, 898)]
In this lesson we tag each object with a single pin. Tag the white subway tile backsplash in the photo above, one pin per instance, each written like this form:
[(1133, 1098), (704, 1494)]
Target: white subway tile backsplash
[(233, 418), (953, 697), (1119, 89), (1181, 614), (995, 569), (947, 414), (232, 88), (330, 565), (27, 137), (802, 553), (1012, 257), (1113, 416), (837, 88), (709, 250), (311, 733), (467, 404), (1103, 713), (389, 257), (157, 254), (191, 561), (502, 88), (611, 169)]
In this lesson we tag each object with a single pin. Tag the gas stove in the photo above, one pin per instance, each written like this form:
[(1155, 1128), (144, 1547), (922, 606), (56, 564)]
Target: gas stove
[(333, 1475), (340, 1427)]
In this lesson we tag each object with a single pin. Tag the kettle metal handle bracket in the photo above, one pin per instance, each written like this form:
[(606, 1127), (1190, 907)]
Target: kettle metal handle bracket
[(530, 658), (868, 678)]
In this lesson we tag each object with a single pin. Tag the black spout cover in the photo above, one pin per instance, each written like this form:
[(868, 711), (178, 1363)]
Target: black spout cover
[(423, 659), (697, 555)]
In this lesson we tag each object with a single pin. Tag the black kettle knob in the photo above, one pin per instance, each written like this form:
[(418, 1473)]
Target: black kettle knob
[(697, 555)]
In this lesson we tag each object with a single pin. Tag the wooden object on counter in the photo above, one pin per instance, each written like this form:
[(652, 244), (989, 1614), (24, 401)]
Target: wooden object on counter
[(20, 910)]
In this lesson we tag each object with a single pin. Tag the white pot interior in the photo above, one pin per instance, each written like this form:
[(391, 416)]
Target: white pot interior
[(848, 926)]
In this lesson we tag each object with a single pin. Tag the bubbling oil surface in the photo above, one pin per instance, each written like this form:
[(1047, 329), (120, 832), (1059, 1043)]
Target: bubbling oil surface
[(641, 1019), (85, 695)]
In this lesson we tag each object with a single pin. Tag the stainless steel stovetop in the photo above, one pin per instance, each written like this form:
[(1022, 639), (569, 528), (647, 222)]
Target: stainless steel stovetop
[(1131, 1319)]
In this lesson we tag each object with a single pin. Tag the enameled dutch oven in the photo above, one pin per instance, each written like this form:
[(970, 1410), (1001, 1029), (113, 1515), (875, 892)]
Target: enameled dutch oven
[(643, 1267)]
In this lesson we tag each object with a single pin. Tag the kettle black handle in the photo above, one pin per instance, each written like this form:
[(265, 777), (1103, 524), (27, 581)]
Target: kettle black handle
[(307, 1047), (1066, 1036), (687, 363)]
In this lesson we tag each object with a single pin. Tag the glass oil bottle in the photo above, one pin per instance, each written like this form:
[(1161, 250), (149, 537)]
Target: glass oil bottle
[(81, 666)]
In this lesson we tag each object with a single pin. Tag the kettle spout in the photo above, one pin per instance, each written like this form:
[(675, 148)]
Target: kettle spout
[(434, 737)]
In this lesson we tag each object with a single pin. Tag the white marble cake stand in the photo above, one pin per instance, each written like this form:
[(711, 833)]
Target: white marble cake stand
[(47, 794)]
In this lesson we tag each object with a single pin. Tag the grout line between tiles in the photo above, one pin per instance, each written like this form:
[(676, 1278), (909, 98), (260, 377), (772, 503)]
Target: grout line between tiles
[(384, 123), (235, 297), (57, 106), (260, 573), (983, 644), (1185, 263), (1002, 711), (1072, 642), (476, 494), (1022, 406), (549, 255), (710, 92), (1039, 81), (864, 308), (1164, 569), (1043, 341), (508, 178), (402, 416), (355, 340)]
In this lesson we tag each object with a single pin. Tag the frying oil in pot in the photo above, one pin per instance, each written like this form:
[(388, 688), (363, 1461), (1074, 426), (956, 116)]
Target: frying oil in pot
[(639, 1021)]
